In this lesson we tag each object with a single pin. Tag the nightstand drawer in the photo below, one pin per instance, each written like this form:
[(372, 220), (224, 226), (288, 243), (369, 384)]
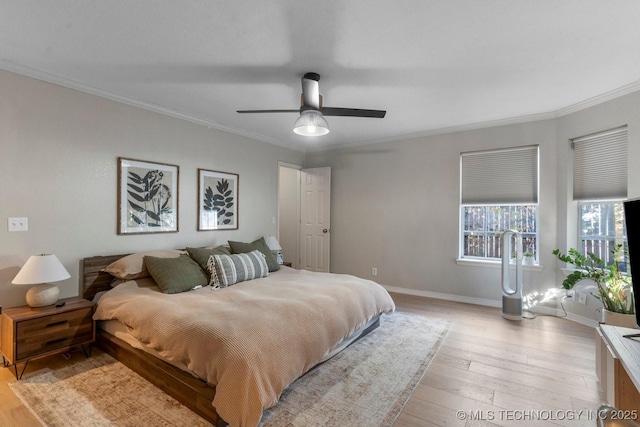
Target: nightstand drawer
[(49, 333)]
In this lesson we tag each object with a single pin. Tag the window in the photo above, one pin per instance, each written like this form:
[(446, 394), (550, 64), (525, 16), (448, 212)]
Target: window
[(599, 187), (601, 228), (483, 226), (499, 192)]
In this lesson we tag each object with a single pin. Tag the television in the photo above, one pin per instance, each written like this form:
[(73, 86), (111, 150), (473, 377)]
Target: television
[(632, 220)]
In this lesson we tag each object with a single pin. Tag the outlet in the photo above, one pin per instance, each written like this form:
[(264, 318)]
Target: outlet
[(18, 224), (571, 293), (374, 271), (582, 298)]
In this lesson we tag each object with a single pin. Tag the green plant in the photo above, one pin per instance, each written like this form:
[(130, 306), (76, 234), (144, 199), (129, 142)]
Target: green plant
[(527, 254), (614, 286)]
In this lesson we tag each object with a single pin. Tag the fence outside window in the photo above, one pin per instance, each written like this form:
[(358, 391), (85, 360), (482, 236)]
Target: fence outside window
[(601, 228), (483, 227)]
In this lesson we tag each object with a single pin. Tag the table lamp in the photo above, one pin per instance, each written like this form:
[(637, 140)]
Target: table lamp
[(273, 244), (40, 270)]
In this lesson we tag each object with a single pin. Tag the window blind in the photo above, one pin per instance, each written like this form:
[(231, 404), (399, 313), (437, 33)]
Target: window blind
[(600, 165), (508, 176)]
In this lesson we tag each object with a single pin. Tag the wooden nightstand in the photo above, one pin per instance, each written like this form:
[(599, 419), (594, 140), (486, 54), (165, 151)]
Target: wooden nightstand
[(28, 333)]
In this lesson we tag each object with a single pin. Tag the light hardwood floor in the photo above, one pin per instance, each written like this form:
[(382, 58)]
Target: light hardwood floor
[(488, 368)]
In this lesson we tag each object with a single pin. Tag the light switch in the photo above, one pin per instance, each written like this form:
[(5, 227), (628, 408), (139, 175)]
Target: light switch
[(18, 224)]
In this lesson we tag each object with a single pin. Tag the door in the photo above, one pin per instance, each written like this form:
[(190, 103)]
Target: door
[(315, 223)]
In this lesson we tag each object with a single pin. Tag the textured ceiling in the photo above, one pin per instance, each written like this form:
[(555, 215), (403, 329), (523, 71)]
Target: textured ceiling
[(433, 65)]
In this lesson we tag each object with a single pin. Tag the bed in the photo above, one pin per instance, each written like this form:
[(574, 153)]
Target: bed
[(296, 320)]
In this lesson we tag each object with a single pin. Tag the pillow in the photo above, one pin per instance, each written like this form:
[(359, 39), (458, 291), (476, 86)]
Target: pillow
[(132, 266), (231, 269), (261, 245), (202, 255), (174, 275)]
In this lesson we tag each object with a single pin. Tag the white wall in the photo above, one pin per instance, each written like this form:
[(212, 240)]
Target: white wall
[(58, 167), (395, 205)]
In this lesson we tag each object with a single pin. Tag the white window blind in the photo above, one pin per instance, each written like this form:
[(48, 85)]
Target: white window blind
[(600, 165), (500, 176)]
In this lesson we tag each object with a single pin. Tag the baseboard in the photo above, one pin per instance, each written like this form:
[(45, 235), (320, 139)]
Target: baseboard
[(537, 309), (583, 320), (447, 297)]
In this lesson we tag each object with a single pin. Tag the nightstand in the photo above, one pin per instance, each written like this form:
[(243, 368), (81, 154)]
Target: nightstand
[(28, 333)]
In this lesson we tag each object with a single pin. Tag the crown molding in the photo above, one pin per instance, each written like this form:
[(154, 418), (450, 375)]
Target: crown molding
[(92, 90), (582, 105), (83, 87)]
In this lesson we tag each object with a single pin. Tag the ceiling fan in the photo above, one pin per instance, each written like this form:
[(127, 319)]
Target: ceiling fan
[(311, 121)]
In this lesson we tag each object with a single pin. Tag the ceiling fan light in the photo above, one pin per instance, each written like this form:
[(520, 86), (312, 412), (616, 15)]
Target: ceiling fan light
[(311, 123)]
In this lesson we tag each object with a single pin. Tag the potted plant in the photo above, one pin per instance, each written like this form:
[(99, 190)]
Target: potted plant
[(528, 259), (614, 286)]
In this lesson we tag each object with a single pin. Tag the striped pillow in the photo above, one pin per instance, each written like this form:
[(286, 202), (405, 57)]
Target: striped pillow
[(227, 270)]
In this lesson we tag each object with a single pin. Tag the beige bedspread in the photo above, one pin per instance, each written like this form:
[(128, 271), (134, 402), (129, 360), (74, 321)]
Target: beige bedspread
[(254, 338)]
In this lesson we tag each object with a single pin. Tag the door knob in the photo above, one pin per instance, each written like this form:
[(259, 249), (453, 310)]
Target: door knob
[(324, 230)]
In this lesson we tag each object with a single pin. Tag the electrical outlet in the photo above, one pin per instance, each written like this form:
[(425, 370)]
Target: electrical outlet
[(571, 293), (582, 298), (374, 271), (18, 224)]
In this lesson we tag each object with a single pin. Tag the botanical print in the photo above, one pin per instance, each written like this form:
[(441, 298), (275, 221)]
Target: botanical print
[(218, 204), (148, 197)]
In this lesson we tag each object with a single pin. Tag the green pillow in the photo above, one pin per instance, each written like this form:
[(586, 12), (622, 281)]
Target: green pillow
[(174, 275), (261, 245), (202, 255)]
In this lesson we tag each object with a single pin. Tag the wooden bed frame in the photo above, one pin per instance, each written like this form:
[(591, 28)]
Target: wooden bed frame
[(194, 393)]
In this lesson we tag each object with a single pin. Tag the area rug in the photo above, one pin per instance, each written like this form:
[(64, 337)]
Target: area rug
[(367, 385), (100, 391)]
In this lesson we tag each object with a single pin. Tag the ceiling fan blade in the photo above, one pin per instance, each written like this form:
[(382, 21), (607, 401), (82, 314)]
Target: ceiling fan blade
[(311, 91), (267, 111), (352, 112)]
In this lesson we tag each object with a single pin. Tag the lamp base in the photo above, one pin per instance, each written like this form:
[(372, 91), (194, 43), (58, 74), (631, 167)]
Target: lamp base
[(43, 295)]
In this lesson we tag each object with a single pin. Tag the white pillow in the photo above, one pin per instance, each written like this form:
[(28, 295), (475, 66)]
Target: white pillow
[(132, 266)]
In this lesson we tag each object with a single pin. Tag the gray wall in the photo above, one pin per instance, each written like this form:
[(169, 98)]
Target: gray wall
[(395, 206), (58, 167), (620, 111), (289, 213)]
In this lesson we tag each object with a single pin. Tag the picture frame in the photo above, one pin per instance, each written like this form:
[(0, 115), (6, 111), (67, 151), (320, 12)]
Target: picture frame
[(147, 197), (218, 200)]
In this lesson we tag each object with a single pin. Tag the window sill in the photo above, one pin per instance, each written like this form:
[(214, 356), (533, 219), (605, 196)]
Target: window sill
[(494, 264)]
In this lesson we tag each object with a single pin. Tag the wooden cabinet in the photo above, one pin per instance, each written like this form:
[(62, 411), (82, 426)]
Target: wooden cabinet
[(618, 366), (27, 333)]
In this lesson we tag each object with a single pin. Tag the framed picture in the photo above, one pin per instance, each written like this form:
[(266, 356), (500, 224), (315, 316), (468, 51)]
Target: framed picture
[(217, 200), (147, 197)]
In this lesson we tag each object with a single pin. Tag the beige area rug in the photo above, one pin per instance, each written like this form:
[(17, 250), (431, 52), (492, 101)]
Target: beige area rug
[(100, 391), (366, 385)]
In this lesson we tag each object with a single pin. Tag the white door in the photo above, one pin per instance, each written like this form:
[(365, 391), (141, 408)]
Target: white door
[(315, 223)]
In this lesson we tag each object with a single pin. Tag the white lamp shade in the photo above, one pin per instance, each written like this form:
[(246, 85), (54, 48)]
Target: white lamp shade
[(273, 244), (311, 123), (41, 269)]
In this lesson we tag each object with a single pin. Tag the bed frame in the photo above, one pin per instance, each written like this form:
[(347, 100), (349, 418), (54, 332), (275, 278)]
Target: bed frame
[(194, 393)]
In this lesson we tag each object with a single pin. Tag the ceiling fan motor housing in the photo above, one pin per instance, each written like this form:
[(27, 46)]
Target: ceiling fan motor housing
[(312, 76)]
